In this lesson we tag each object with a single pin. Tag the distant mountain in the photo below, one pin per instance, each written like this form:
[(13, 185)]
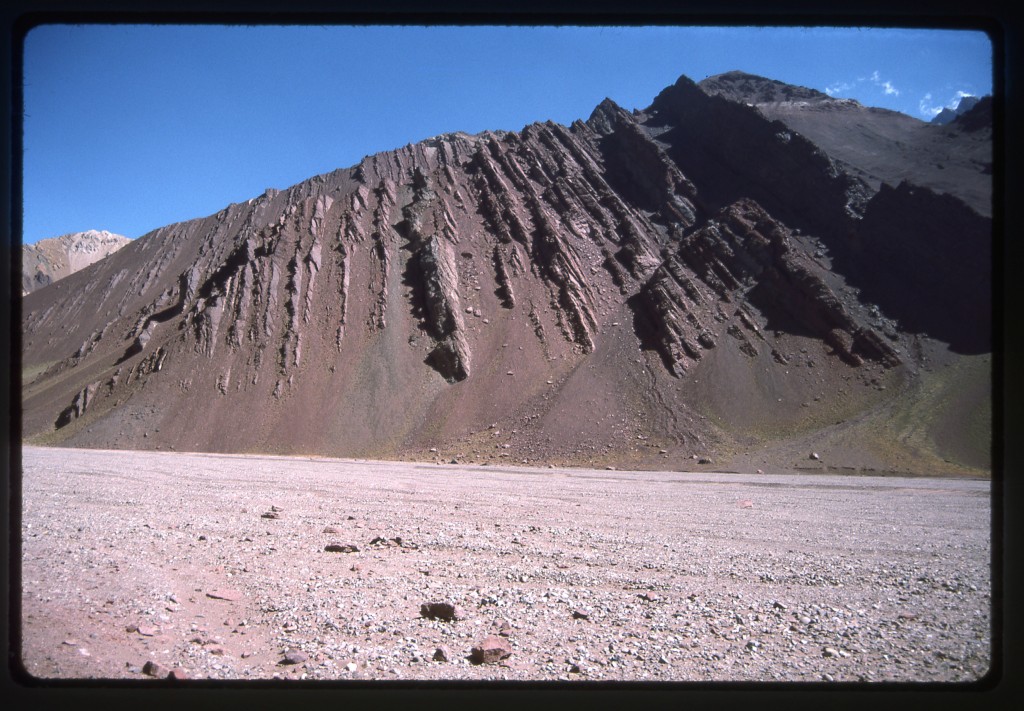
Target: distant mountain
[(695, 284), (965, 104), (51, 259), (877, 145)]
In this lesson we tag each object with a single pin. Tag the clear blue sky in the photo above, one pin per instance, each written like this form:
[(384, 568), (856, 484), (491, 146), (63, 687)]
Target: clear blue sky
[(129, 128)]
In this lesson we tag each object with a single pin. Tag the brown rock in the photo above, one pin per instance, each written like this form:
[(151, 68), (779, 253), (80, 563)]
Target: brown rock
[(154, 669), (177, 673), (442, 654), (492, 650), (341, 548), (444, 611), (294, 656)]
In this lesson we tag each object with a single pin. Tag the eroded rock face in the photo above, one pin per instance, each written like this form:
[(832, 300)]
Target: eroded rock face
[(432, 290), (744, 255)]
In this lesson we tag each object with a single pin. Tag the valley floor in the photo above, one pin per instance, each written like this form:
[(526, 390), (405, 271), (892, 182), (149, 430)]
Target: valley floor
[(216, 565)]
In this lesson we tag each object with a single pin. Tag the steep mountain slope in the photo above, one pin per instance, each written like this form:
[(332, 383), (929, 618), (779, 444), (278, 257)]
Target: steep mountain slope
[(48, 260), (876, 144), (645, 287)]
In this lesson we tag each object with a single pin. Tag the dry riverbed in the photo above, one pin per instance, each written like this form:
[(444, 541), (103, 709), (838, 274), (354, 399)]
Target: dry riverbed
[(139, 564)]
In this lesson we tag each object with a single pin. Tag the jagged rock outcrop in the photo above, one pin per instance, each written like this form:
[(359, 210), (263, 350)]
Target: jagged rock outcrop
[(529, 295), (743, 254)]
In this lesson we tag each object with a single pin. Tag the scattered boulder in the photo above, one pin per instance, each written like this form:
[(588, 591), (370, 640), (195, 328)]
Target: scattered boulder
[(815, 456), (293, 656), (380, 541), (490, 651), (177, 674), (442, 654), (341, 548), (154, 669), (445, 611)]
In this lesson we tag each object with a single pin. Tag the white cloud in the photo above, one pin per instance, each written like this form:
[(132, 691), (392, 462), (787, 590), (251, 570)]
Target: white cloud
[(926, 108), (884, 85), (838, 88), (876, 79)]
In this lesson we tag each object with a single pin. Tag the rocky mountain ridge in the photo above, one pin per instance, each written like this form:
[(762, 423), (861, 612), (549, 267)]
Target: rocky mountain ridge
[(947, 115), (687, 281), (878, 145)]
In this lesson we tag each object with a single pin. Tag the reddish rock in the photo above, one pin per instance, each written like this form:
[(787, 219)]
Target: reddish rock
[(177, 673), (492, 650)]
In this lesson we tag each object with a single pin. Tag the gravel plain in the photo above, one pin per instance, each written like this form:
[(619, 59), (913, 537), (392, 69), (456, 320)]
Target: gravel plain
[(139, 564)]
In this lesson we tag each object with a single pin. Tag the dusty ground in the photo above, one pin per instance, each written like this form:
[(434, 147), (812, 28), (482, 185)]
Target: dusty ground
[(132, 557)]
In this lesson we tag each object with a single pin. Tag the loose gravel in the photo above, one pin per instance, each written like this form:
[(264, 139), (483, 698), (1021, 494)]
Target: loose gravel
[(140, 564)]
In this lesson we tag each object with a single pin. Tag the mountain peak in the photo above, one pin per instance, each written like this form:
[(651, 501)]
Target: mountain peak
[(49, 260), (948, 115), (752, 89)]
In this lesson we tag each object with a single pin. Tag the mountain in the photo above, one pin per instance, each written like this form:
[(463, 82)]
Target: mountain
[(965, 104), (690, 285), (48, 260), (877, 145)]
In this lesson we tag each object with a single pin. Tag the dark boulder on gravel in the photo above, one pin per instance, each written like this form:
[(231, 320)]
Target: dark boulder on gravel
[(492, 650)]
